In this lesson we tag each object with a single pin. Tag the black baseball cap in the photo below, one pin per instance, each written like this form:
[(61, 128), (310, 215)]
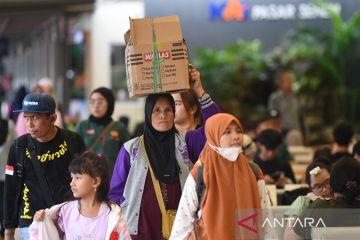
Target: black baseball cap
[(38, 103)]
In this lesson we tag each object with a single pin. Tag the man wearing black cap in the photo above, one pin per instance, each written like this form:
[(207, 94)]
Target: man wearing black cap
[(276, 171), (37, 174)]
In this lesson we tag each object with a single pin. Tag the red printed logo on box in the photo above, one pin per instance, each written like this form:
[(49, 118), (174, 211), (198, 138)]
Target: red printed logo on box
[(161, 55)]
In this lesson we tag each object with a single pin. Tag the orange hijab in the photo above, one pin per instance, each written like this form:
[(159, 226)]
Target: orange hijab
[(231, 191)]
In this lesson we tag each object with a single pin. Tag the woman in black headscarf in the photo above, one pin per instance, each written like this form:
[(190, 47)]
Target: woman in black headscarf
[(159, 136), (100, 132), (169, 155)]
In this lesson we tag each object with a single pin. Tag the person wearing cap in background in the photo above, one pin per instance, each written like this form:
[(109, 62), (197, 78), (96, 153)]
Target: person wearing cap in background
[(276, 171), (100, 132), (44, 85), (271, 120), (37, 175)]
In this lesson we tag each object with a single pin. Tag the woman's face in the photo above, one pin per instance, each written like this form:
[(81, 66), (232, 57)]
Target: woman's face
[(182, 116), (232, 137), (162, 116), (320, 183), (98, 105)]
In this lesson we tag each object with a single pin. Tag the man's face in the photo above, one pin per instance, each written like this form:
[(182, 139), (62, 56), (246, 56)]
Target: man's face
[(266, 154), (39, 124), (286, 82)]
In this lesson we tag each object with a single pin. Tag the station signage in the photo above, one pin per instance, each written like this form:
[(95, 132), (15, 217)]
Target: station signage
[(244, 10)]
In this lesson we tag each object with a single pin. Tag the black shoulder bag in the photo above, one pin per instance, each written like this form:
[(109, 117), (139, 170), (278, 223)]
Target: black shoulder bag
[(39, 171)]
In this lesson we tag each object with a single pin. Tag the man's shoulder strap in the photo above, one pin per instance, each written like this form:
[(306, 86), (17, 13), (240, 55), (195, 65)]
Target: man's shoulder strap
[(21, 142), (200, 185), (40, 173), (20, 146)]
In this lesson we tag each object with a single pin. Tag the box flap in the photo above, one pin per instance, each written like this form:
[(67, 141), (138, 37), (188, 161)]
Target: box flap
[(127, 37), (167, 29)]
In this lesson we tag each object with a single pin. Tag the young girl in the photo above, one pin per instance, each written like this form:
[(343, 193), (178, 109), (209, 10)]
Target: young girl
[(91, 215), (317, 176)]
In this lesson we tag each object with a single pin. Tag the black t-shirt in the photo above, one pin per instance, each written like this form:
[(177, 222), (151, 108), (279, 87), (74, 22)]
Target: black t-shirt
[(54, 157), (276, 165), (336, 156)]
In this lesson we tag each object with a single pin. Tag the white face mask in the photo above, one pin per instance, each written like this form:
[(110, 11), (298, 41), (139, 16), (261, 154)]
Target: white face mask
[(230, 153)]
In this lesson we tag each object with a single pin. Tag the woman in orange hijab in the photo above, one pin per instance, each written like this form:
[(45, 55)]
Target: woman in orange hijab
[(234, 188)]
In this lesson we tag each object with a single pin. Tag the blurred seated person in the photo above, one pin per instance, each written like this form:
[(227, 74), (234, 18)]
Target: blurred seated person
[(317, 176), (343, 210), (356, 151), (277, 171), (273, 121), (342, 134), (249, 147)]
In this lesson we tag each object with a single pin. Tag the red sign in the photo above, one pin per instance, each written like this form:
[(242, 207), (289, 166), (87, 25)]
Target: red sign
[(252, 226), (161, 55)]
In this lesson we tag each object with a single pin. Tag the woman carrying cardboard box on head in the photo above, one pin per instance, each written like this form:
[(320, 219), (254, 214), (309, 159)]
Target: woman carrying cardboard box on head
[(150, 170)]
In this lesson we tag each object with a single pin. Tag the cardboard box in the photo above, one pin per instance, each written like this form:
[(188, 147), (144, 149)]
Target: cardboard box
[(156, 56)]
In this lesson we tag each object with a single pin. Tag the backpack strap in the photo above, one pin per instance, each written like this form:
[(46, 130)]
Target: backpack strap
[(101, 135), (256, 169), (20, 146), (40, 174), (4, 126), (200, 185), (19, 160)]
